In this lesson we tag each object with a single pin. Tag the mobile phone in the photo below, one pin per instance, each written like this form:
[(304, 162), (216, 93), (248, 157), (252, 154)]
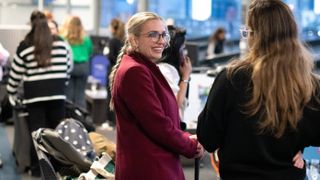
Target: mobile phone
[(183, 54)]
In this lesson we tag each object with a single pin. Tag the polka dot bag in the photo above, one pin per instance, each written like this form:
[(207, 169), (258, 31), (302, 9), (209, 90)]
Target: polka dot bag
[(75, 133)]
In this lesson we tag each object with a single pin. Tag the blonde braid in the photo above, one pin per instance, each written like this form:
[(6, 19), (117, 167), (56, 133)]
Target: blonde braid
[(122, 52)]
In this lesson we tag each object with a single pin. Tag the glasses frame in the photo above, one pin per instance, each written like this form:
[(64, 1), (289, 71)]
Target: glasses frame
[(245, 32), (155, 36)]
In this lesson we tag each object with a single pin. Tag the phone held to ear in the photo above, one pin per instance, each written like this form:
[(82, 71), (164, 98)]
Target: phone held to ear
[(183, 54)]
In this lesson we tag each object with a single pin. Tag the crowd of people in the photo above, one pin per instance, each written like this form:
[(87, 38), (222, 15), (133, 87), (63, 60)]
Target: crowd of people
[(261, 112)]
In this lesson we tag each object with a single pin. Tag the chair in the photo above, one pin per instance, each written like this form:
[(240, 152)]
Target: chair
[(99, 68)]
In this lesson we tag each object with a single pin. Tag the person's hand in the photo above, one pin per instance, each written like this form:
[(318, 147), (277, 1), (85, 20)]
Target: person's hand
[(200, 149), (12, 100), (298, 161), (186, 68)]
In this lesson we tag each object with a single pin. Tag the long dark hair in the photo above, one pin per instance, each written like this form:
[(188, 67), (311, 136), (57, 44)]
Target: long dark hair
[(119, 29), (172, 54), (215, 36), (40, 37)]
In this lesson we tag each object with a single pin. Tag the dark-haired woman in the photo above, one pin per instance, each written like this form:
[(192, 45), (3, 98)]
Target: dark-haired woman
[(116, 42), (42, 64), (216, 42), (176, 66)]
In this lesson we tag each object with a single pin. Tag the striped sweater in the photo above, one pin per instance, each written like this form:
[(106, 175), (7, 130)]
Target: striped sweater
[(40, 83)]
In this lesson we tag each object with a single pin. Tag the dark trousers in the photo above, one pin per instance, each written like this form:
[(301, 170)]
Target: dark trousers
[(46, 114), (77, 84)]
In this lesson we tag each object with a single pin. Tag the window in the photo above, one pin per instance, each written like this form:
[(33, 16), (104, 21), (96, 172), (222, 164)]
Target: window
[(122, 9), (222, 13), (307, 14)]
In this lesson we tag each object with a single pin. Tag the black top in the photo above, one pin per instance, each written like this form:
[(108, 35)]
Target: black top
[(219, 46), (114, 49), (243, 152)]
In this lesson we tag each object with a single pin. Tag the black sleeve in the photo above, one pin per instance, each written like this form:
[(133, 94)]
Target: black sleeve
[(311, 124), (211, 125)]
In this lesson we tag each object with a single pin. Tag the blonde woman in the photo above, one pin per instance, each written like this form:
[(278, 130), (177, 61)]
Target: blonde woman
[(82, 48), (264, 108), (149, 139)]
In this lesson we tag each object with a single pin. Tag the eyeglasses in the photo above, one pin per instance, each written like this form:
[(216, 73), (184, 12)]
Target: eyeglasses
[(155, 36), (244, 32)]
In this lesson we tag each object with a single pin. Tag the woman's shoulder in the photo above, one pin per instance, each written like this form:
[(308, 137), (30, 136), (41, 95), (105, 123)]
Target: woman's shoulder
[(58, 38), (23, 45), (86, 38), (238, 78)]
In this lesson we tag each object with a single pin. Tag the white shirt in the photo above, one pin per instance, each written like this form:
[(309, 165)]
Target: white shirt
[(172, 76)]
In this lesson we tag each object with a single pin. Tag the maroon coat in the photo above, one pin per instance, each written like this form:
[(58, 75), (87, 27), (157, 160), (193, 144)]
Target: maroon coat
[(149, 139)]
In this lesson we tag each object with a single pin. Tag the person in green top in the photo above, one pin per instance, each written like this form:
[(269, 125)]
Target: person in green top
[(82, 48)]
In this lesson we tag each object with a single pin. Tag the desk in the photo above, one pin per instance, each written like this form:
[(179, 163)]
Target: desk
[(97, 105)]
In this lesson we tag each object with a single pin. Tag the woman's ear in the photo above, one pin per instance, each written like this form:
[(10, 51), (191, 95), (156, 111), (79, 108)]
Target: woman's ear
[(134, 42)]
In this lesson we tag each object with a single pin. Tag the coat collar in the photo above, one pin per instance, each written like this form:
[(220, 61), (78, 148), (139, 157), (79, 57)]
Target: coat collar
[(143, 60), (153, 67)]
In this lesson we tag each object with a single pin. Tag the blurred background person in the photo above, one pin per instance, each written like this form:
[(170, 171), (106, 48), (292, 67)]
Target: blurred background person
[(4, 56), (146, 108), (216, 42), (82, 48), (42, 64), (266, 104), (117, 30), (176, 66), (53, 25)]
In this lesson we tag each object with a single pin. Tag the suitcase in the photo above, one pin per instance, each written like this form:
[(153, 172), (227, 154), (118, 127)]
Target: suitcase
[(22, 139)]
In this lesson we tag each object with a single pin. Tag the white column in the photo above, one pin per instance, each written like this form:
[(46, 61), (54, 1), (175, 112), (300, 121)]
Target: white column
[(142, 5), (40, 5)]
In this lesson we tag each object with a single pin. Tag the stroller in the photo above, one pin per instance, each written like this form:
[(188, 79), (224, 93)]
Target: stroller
[(56, 154), (22, 145)]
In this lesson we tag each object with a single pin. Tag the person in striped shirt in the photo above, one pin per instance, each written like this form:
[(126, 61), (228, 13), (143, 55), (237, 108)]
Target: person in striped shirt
[(42, 66)]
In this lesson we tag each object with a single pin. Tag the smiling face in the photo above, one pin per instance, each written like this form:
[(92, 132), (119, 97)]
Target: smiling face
[(147, 43)]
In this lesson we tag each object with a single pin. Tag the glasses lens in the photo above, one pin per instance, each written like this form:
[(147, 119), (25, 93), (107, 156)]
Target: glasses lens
[(153, 35), (244, 33), (166, 36)]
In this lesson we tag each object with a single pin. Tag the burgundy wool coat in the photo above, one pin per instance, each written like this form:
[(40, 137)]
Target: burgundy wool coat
[(149, 139)]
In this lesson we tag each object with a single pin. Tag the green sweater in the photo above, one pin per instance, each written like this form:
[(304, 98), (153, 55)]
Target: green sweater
[(82, 52)]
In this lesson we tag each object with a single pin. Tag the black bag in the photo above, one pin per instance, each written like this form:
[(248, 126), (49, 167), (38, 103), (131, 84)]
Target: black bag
[(80, 114), (6, 109)]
